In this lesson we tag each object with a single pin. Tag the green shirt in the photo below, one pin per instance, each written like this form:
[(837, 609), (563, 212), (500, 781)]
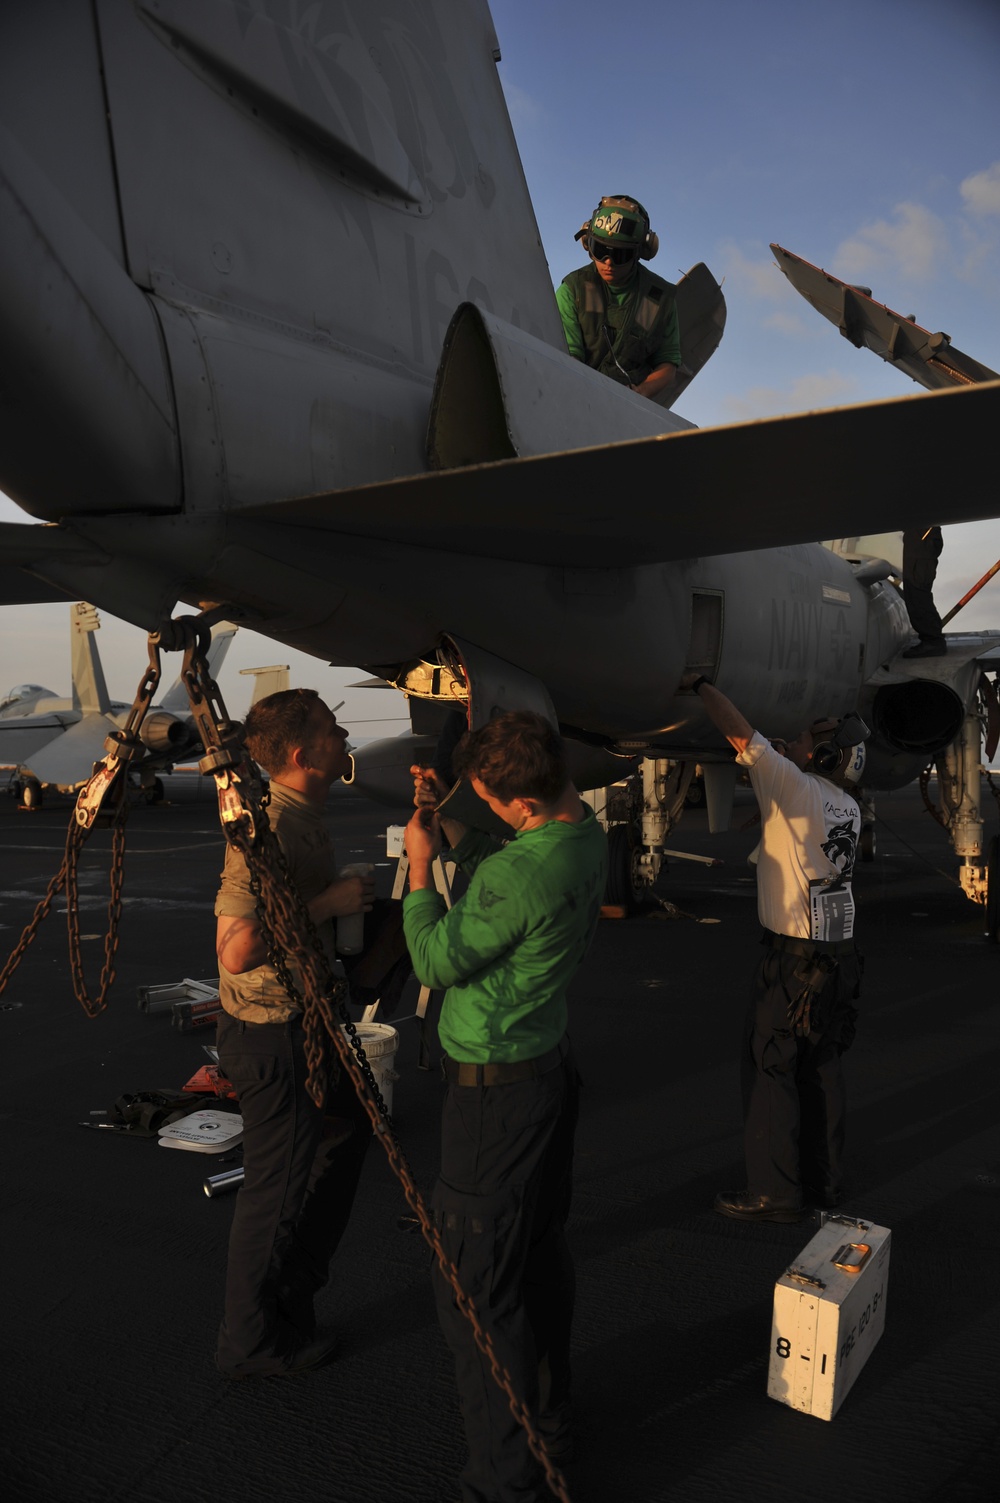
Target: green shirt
[(508, 949), (667, 351)]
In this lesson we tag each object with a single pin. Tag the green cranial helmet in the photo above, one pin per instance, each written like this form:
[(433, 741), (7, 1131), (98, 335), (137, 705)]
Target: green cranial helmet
[(622, 223)]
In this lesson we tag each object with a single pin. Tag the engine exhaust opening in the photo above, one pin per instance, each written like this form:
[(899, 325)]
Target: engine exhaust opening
[(919, 716), (163, 732)]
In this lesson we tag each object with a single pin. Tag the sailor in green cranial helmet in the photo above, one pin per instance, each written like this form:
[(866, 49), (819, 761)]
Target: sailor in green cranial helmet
[(618, 317)]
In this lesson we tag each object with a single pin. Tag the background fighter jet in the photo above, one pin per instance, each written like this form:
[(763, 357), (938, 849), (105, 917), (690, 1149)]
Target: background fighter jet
[(286, 343), (55, 742)]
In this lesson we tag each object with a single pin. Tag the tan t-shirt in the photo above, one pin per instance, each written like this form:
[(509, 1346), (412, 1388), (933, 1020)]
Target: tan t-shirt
[(258, 996)]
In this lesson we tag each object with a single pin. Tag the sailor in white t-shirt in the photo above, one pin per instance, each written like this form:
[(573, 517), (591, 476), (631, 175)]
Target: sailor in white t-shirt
[(802, 1016)]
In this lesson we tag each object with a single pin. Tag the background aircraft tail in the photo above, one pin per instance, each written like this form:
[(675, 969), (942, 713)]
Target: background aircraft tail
[(90, 692)]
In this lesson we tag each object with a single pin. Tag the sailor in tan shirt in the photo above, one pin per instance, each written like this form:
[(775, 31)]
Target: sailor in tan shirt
[(301, 1162)]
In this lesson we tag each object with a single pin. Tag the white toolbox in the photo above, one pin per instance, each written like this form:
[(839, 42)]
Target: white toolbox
[(829, 1311)]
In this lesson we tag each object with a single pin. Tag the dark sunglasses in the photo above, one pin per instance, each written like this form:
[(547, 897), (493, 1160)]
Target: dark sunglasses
[(617, 255)]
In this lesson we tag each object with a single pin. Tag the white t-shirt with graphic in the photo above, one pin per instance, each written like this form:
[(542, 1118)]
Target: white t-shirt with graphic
[(807, 849)]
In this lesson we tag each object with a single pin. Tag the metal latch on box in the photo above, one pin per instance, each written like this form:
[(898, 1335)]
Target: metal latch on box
[(827, 1218), (801, 1277)]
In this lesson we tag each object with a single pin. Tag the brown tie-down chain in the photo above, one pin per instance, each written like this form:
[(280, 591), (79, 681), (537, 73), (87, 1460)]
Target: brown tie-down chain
[(108, 784), (287, 931)]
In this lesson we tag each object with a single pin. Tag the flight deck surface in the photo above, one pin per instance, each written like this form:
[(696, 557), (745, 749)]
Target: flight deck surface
[(113, 1258)]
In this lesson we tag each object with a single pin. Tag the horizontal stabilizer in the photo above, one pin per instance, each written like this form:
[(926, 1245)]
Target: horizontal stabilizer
[(19, 588), (765, 484), (898, 339)]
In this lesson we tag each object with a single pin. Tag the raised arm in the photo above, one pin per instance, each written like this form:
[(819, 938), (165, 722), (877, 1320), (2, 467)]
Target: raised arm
[(721, 711)]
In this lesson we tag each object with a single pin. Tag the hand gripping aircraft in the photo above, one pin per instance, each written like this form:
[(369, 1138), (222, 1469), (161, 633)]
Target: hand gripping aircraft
[(281, 342)]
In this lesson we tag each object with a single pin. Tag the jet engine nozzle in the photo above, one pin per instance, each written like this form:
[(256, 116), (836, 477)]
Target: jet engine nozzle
[(911, 723), (163, 732), (919, 716)]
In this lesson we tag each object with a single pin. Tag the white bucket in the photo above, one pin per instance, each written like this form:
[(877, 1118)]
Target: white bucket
[(380, 1042)]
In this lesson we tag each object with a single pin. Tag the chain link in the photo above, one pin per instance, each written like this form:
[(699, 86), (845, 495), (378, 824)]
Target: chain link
[(66, 877), (107, 785), (16, 955), (74, 844)]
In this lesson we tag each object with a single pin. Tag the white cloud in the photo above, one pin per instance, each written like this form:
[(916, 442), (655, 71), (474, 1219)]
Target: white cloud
[(802, 395), (910, 246), (976, 256), (981, 192)]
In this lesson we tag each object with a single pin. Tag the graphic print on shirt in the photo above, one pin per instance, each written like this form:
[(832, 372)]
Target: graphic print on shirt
[(840, 846), (831, 901)]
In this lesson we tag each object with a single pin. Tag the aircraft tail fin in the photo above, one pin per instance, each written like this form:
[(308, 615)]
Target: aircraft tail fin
[(90, 692), (271, 680)]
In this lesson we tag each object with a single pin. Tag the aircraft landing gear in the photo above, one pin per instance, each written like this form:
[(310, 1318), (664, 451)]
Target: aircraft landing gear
[(959, 785), (31, 794), (625, 886), (638, 815)]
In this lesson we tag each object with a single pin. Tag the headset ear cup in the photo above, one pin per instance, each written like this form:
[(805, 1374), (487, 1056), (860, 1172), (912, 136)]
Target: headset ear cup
[(651, 246)]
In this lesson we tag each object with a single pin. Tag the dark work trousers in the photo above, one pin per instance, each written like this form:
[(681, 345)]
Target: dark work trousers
[(794, 1101), (920, 560), (301, 1171), (501, 1206)]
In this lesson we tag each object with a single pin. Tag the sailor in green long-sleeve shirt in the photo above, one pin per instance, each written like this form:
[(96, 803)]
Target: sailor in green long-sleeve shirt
[(506, 953), (508, 950)]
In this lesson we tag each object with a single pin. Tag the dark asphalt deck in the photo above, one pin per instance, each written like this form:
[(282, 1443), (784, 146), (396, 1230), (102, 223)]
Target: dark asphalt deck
[(113, 1258)]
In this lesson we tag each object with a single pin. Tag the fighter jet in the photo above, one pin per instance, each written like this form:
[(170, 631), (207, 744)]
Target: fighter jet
[(54, 742), (287, 346)]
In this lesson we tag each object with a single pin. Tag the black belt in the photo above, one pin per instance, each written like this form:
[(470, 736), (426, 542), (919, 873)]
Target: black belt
[(504, 1074), (797, 946)]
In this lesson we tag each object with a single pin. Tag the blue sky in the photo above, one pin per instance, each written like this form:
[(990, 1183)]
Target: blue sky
[(863, 137)]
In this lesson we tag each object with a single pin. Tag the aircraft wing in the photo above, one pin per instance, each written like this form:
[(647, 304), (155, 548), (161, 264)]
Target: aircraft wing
[(699, 492), (24, 735), (69, 759), (693, 493), (925, 357)]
